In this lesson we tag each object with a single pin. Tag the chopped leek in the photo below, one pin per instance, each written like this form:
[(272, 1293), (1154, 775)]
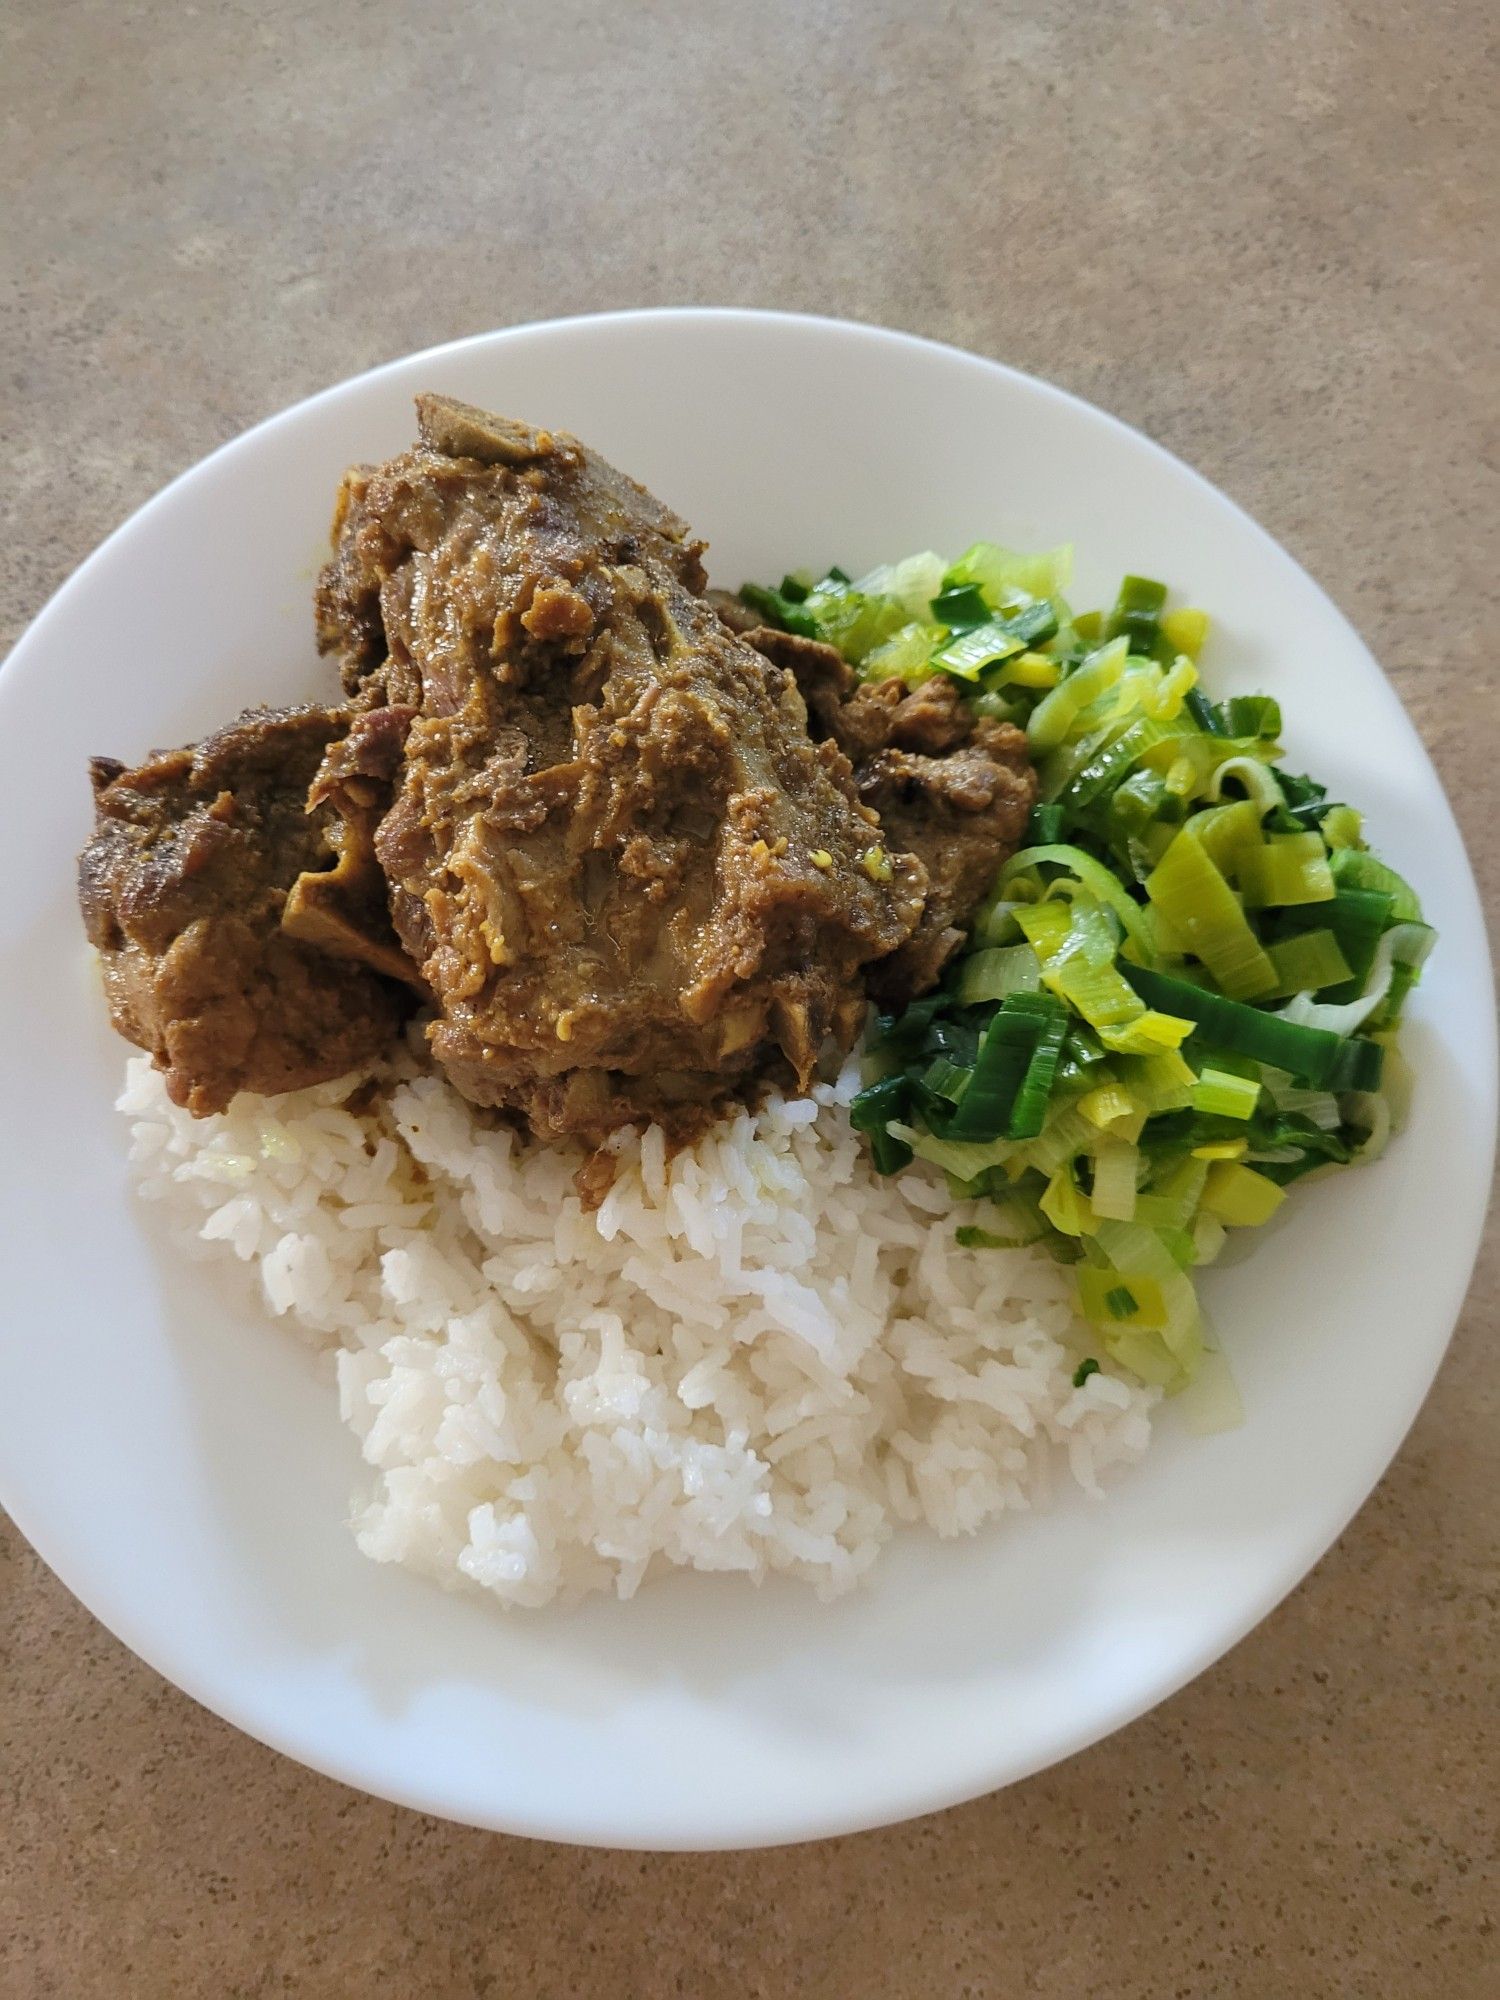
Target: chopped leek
[(1055, 712), (1189, 889), (1028, 1111), (1020, 1222), (1217, 1091), (911, 583), (906, 655), (1064, 1205), (1095, 877), (967, 655), (1342, 827), (1211, 1402), (1031, 670), (1358, 918), (1301, 1049), (1179, 997), (1114, 1189), (1002, 969), (1308, 961), (781, 610), (966, 1162), (1402, 945), (1356, 868), (1106, 1296), (1137, 612), (1238, 1195), (1001, 573), (1255, 778), (1109, 1104), (960, 607), (1185, 631), (1290, 868), (1017, 1032), (1043, 829)]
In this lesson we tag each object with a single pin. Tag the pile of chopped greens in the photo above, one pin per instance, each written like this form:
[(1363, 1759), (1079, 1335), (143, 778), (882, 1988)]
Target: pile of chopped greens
[(1179, 997)]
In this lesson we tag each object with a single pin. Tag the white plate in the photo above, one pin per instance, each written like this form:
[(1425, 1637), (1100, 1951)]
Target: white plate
[(176, 1457)]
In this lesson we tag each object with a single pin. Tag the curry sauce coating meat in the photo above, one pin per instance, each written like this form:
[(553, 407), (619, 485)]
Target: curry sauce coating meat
[(185, 887), (953, 787), (632, 879)]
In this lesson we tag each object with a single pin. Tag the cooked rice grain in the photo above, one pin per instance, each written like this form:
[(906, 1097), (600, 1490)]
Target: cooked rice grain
[(756, 1356)]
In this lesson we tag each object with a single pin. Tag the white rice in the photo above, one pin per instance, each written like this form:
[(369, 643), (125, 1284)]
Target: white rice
[(756, 1356)]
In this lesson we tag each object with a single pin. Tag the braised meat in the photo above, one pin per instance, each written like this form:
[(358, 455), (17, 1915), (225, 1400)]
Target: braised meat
[(954, 788), (633, 855), (186, 887), (632, 879), (346, 908)]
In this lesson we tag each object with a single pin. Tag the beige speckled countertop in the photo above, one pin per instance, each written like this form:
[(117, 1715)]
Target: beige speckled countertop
[(1264, 232)]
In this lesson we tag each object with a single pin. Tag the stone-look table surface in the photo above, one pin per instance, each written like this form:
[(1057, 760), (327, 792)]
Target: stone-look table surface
[(1264, 231)]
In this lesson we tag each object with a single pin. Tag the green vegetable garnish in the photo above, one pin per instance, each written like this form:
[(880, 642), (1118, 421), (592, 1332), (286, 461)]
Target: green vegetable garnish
[(1137, 613), (961, 608), (1178, 997)]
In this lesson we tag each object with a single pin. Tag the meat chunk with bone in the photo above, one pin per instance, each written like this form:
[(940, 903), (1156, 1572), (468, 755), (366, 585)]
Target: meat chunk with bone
[(632, 880), (242, 942)]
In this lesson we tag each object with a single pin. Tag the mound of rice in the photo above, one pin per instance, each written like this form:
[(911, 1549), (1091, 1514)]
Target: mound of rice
[(757, 1356)]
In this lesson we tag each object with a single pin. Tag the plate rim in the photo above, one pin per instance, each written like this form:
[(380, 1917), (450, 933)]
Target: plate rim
[(912, 1800)]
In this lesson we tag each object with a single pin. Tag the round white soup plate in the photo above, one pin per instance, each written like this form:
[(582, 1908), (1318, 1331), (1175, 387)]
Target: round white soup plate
[(176, 1456)]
